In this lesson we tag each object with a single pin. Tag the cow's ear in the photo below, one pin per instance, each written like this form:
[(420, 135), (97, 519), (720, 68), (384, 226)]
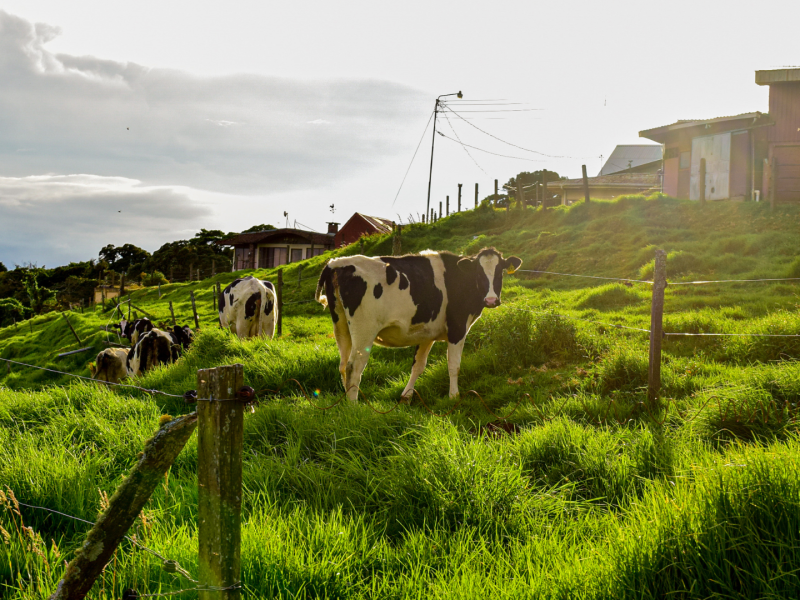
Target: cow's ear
[(512, 263), (466, 264)]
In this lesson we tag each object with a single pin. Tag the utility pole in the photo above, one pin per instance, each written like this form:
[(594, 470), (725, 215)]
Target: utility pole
[(433, 141)]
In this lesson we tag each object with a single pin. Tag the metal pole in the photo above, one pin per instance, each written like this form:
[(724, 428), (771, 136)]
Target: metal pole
[(433, 141)]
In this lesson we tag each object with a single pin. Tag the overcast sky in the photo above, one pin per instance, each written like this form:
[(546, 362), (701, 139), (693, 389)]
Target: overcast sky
[(143, 122)]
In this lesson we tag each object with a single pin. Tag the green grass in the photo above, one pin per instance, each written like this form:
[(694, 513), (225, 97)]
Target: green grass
[(593, 496)]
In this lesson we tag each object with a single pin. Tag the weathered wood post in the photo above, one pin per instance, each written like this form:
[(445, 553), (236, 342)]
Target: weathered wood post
[(123, 508), (521, 194), (656, 329), (300, 273), (220, 435), (585, 185), (476, 195), (495, 192), (701, 183), (194, 311), (280, 302), (396, 241), (459, 197), (172, 312), (447, 206), (545, 199), (439, 216), (72, 329), (773, 182)]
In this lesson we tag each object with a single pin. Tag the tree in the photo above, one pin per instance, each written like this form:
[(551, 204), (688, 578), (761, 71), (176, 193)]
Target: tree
[(254, 229), (11, 310), (124, 258), (39, 297), (3, 268)]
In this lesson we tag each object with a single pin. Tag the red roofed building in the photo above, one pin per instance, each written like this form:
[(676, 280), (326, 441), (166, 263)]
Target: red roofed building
[(360, 225)]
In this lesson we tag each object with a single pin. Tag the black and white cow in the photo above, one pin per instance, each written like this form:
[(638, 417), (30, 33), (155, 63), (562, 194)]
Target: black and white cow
[(412, 300), (133, 329), (249, 308), (182, 336), (111, 365), (154, 348)]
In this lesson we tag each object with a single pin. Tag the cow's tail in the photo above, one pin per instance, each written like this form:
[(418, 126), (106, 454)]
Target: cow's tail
[(325, 282)]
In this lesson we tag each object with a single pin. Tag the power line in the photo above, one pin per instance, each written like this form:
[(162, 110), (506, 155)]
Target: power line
[(488, 152), (460, 142), (505, 142), (412, 159)]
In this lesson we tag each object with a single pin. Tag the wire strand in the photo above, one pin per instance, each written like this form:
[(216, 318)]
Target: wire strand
[(733, 281), (487, 151), (463, 145), (412, 158), (584, 276)]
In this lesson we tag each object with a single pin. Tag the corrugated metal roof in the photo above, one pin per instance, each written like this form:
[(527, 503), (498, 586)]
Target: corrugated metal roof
[(380, 224), (628, 156), (264, 236), (756, 119)]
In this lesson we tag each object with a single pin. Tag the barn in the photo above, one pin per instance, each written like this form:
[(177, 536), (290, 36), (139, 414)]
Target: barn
[(750, 156), (360, 225)]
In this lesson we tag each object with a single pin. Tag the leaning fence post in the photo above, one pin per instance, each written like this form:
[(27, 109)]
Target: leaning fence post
[(396, 241), (123, 508), (194, 311), (172, 312), (280, 301), (656, 329), (585, 185), (72, 329), (220, 435)]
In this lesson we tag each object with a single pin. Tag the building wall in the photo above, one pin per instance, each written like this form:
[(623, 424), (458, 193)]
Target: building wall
[(784, 109), (671, 176), (353, 230), (716, 150)]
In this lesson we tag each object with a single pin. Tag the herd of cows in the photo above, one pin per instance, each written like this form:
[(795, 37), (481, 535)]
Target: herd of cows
[(394, 301)]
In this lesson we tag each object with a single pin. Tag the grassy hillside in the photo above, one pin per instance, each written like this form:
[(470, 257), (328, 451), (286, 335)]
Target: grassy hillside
[(591, 496)]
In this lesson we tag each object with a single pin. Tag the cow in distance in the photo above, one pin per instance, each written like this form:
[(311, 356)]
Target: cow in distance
[(154, 348), (111, 365), (248, 307), (412, 300)]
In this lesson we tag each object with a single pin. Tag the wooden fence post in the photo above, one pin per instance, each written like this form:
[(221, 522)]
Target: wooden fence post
[(194, 311), (280, 300), (585, 185), (656, 329), (701, 184), (439, 216), (172, 312), (123, 508), (521, 194), (300, 273), (220, 435), (72, 329), (459, 197), (476, 195), (397, 241), (447, 206)]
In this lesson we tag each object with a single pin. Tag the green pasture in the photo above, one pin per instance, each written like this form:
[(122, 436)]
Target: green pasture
[(587, 494)]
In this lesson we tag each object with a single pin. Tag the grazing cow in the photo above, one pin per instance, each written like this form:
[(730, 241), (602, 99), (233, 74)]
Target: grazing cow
[(249, 308), (154, 348), (411, 300), (182, 336), (111, 365), (131, 330)]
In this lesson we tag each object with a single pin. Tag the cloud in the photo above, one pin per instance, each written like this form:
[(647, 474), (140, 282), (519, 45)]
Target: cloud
[(234, 134), (55, 219)]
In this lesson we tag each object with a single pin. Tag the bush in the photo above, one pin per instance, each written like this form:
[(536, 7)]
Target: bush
[(11, 310), (153, 278)]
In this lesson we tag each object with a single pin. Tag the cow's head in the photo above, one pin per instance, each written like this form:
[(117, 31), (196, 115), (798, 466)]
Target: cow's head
[(183, 336), (487, 267)]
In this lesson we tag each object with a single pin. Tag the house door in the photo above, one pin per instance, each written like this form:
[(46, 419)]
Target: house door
[(716, 149), (787, 177)]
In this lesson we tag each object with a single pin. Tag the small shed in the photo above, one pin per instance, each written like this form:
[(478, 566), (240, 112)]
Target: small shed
[(276, 247), (360, 225)]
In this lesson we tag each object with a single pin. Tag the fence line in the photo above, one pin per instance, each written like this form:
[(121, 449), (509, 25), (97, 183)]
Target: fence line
[(733, 281), (584, 276)]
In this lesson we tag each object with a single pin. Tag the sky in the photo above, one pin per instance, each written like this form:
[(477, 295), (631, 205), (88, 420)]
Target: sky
[(146, 121)]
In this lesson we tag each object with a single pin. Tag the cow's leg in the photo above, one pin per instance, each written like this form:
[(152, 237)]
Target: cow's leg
[(420, 360), (360, 347), (342, 334), (454, 364)]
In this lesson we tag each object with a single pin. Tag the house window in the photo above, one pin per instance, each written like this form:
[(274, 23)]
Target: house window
[(297, 254), (242, 258), (311, 252), (686, 160)]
